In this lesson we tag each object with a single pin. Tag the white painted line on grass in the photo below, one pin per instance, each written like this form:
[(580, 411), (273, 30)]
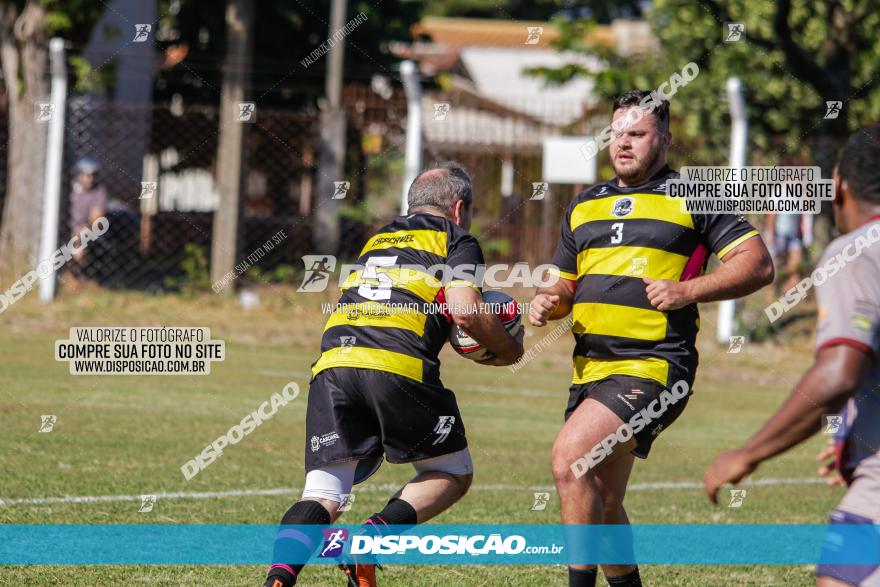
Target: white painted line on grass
[(174, 495), (386, 487)]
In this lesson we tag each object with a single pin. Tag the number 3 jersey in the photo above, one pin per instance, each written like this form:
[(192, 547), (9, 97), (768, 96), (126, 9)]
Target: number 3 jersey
[(389, 316), (612, 237)]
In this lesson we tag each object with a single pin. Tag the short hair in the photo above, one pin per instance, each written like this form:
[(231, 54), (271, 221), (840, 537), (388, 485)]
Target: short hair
[(860, 164), (441, 190), (635, 97)]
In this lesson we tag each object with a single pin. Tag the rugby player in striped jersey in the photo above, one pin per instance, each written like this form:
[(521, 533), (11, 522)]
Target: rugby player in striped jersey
[(632, 272), (376, 387)]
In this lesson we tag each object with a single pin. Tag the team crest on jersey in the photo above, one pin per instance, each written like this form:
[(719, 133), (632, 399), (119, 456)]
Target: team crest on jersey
[(622, 207)]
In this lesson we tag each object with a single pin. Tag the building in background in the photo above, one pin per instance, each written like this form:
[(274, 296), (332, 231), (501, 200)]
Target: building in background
[(489, 113)]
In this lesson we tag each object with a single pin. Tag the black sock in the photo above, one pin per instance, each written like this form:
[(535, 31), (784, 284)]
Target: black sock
[(631, 579), (293, 545), (582, 577), (397, 512)]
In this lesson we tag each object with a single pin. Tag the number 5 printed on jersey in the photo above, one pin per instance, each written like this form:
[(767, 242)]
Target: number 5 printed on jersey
[(373, 270)]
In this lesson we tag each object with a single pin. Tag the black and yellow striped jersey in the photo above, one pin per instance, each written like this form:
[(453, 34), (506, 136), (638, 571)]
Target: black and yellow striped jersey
[(386, 318), (611, 238)]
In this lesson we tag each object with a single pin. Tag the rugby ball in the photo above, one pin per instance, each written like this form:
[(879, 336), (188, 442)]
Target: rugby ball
[(500, 304)]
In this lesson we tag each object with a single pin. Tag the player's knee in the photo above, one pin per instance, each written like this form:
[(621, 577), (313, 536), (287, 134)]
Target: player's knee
[(309, 511), (562, 472), (568, 465)]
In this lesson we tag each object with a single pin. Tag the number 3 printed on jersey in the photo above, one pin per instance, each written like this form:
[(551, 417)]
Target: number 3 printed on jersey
[(617, 237), (372, 270)]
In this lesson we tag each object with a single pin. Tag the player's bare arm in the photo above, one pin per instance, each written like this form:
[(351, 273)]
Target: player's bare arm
[(744, 270), (834, 377), (483, 326), (553, 302)]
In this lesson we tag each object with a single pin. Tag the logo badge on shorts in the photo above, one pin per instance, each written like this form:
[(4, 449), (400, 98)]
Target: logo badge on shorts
[(323, 441), (443, 428), (634, 394), (334, 542), (622, 207), (623, 399)]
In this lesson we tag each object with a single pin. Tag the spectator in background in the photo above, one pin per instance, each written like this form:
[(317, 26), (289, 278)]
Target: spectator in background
[(785, 238), (88, 202)]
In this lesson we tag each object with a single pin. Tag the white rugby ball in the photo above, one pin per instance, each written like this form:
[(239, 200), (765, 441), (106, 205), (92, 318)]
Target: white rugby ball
[(500, 304)]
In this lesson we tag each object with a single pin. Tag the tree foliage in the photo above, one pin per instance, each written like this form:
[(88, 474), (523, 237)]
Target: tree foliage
[(794, 57), (600, 10), (286, 33)]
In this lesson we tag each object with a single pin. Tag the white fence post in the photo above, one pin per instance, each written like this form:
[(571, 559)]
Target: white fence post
[(409, 74), (739, 126), (54, 158)]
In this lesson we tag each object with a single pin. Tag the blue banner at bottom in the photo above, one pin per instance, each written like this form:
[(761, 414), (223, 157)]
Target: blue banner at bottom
[(208, 544)]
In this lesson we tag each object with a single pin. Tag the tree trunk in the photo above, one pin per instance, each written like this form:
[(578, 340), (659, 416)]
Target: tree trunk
[(331, 155), (24, 60), (230, 149)]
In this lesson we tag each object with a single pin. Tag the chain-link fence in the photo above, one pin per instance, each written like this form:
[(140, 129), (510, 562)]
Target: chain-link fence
[(155, 170), (157, 186)]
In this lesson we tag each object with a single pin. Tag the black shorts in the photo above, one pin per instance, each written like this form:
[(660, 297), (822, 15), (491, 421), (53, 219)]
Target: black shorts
[(359, 414), (626, 396)]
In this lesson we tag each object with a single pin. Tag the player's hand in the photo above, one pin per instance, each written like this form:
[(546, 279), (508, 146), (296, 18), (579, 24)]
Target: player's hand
[(541, 307), (728, 467), (666, 294), (827, 469), (494, 361)]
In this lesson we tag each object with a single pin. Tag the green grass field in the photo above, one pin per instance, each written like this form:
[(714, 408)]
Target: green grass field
[(129, 435)]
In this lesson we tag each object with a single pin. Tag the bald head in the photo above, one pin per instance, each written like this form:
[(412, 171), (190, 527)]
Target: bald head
[(440, 187)]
